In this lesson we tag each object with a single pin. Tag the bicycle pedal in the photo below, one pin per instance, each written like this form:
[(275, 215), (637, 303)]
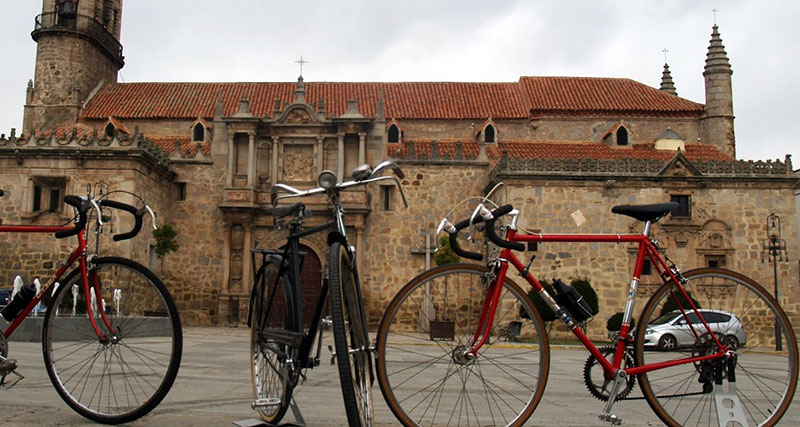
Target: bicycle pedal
[(611, 418), (7, 385), (333, 354), (266, 403)]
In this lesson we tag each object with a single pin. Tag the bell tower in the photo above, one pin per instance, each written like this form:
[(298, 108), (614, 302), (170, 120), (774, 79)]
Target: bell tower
[(77, 49)]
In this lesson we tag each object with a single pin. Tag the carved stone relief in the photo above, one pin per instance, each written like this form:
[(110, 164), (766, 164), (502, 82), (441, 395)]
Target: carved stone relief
[(298, 116), (298, 162)]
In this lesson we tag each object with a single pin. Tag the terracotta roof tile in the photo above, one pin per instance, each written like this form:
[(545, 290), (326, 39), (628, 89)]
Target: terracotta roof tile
[(187, 146), (559, 150), (587, 95), (418, 100)]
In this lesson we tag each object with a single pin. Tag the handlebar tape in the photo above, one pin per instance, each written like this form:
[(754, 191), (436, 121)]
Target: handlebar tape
[(503, 210), (497, 240), (82, 206), (137, 216)]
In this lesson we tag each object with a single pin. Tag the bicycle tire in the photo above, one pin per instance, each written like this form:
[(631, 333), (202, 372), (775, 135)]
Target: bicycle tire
[(351, 339), (120, 379), (271, 376), (766, 379), (423, 380)]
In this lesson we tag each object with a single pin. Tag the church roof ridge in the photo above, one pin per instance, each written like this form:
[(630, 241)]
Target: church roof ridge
[(402, 100)]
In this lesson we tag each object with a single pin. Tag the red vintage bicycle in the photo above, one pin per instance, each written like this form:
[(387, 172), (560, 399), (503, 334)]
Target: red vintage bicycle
[(703, 351), (111, 335)]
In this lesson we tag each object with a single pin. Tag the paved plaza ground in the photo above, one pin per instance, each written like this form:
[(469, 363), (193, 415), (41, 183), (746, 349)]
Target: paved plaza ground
[(213, 389)]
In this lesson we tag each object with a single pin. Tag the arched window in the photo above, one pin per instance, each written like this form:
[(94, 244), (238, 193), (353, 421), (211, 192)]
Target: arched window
[(394, 133), (622, 136), (199, 133), (488, 134), (109, 130)]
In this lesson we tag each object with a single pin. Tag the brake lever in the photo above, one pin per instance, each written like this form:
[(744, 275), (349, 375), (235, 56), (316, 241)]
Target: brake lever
[(152, 215)]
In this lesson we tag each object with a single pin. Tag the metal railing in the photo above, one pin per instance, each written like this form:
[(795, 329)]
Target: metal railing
[(79, 24)]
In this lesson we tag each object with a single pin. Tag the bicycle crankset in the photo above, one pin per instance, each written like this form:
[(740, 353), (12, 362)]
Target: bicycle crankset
[(596, 381)]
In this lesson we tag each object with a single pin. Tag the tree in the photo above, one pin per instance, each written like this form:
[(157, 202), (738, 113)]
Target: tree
[(445, 254), (165, 240)]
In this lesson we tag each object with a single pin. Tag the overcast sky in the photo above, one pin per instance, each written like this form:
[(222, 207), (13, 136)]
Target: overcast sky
[(453, 40)]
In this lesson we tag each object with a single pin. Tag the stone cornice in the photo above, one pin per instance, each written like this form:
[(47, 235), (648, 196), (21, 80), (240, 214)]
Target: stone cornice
[(710, 170)]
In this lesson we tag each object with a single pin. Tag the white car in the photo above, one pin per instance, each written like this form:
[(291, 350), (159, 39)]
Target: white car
[(671, 331)]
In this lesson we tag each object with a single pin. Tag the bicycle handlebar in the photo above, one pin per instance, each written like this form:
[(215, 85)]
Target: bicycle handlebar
[(82, 206), (487, 216), (372, 177), (137, 215), (499, 241)]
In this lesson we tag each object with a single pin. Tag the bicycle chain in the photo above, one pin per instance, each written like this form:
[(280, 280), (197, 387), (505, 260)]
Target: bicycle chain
[(623, 394)]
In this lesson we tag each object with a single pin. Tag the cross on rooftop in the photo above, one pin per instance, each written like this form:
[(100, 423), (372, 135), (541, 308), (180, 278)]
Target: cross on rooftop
[(665, 54), (301, 62), (714, 11)]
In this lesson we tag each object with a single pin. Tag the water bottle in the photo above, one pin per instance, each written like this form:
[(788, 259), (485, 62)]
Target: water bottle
[(20, 301)]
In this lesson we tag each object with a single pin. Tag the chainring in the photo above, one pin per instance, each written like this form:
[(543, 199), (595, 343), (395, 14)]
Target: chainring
[(602, 391)]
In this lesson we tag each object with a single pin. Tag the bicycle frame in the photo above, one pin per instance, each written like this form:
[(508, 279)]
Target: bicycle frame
[(291, 262), (646, 248), (78, 254)]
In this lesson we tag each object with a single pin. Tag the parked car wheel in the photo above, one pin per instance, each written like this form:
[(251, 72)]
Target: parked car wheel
[(731, 342), (667, 343)]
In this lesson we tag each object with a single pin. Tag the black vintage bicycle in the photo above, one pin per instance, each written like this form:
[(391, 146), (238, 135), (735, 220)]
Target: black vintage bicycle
[(281, 347)]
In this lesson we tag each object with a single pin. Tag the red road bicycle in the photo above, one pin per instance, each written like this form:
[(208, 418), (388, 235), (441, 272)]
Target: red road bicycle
[(703, 352), (111, 335)]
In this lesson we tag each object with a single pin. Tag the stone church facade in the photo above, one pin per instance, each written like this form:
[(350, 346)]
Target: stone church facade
[(205, 155)]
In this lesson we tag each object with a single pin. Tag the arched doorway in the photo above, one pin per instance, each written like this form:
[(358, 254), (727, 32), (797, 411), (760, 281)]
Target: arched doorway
[(310, 282), (310, 285)]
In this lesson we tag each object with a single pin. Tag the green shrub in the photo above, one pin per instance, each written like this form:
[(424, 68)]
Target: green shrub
[(445, 254), (671, 305), (544, 310), (614, 322), (584, 287)]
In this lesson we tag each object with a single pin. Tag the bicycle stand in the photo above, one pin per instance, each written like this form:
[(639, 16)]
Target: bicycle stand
[(299, 421)]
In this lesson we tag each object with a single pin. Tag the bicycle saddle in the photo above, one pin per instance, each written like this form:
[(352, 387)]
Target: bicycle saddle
[(651, 213), (286, 210)]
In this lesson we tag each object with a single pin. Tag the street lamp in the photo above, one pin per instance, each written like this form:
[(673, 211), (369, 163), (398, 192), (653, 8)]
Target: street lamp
[(775, 247)]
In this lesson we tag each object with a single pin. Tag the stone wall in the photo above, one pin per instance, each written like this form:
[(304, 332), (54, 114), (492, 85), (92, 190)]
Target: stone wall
[(643, 129), (68, 69)]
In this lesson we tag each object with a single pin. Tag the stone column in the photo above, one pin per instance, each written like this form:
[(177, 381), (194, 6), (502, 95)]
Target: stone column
[(319, 156), (273, 171), (27, 196), (362, 155), (231, 155), (251, 160), (247, 274), (226, 259), (340, 163)]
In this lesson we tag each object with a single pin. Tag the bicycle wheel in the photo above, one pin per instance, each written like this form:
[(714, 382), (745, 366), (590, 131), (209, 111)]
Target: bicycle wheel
[(745, 318), (422, 338), (350, 338), (272, 377), (123, 376)]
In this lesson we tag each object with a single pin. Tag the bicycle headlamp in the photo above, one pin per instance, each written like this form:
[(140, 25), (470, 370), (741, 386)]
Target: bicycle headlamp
[(327, 180)]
